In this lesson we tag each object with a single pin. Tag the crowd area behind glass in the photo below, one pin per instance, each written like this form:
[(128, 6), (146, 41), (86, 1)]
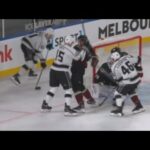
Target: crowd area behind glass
[(15, 27)]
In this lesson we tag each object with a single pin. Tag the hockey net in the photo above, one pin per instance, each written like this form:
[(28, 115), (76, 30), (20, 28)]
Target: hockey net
[(132, 45)]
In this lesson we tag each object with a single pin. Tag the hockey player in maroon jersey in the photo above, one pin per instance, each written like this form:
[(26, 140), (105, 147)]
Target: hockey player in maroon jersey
[(78, 71)]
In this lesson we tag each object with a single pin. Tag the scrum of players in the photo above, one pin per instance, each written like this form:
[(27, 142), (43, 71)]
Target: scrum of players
[(120, 75)]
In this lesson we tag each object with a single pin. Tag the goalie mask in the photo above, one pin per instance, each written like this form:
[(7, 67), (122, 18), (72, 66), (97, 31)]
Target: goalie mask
[(115, 56)]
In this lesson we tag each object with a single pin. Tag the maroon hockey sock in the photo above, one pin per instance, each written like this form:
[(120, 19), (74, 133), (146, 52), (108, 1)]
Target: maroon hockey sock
[(135, 100), (87, 94), (79, 98)]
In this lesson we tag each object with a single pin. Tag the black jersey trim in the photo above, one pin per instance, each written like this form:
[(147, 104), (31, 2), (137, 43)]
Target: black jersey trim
[(68, 95), (60, 66), (134, 78), (27, 41)]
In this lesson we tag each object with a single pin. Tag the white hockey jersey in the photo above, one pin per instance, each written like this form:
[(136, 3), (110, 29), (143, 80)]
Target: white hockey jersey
[(36, 42), (64, 57), (124, 70)]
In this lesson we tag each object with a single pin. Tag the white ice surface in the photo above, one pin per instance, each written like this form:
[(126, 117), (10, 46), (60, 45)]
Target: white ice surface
[(20, 108)]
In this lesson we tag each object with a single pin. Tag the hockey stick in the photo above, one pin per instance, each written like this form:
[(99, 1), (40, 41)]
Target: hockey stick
[(36, 86), (105, 98), (100, 104), (83, 28)]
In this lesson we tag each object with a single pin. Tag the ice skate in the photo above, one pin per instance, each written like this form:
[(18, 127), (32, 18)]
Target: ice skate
[(117, 112), (32, 73), (68, 111), (91, 101), (138, 109), (45, 107), (15, 79), (80, 108)]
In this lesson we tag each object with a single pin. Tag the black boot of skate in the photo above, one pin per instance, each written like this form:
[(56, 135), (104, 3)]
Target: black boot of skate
[(45, 106), (117, 111), (80, 108), (31, 73), (68, 111), (15, 79), (91, 101), (139, 108)]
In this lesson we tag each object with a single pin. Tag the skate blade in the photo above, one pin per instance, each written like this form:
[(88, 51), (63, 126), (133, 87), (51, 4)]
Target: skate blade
[(139, 111), (80, 111), (92, 104), (32, 78), (66, 114), (45, 110), (116, 115), (14, 82)]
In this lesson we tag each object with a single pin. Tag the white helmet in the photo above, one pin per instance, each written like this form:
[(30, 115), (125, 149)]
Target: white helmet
[(49, 31), (115, 56), (69, 39)]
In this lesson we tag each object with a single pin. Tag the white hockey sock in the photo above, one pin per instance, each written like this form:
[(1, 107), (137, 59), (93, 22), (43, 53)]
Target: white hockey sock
[(68, 96), (22, 71), (50, 94), (30, 64), (68, 100)]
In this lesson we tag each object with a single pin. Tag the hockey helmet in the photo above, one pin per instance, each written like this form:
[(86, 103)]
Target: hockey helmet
[(115, 56), (83, 38), (69, 40), (49, 33), (115, 49)]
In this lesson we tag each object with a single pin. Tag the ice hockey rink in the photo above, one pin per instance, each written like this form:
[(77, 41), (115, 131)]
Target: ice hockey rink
[(20, 108)]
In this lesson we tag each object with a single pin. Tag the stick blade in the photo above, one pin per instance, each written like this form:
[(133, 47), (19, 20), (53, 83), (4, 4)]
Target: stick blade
[(37, 88)]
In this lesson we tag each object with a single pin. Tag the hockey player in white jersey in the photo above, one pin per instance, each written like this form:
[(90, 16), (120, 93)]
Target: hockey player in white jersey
[(32, 47), (59, 74), (138, 67), (127, 78), (104, 84)]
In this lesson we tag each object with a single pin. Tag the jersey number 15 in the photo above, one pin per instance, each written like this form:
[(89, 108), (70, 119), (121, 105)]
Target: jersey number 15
[(59, 56)]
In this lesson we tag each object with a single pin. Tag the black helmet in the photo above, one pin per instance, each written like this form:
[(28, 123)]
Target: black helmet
[(82, 37), (116, 49)]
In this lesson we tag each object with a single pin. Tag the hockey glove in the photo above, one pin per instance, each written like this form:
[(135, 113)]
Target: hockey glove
[(49, 46), (37, 51), (141, 75), (43, 63)]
